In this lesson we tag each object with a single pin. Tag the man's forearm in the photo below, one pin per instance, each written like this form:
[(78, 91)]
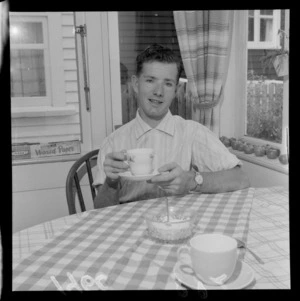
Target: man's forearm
[(108, 194), (224, 181)]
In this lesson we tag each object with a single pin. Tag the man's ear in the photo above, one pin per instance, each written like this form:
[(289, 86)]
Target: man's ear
[(134, 83)]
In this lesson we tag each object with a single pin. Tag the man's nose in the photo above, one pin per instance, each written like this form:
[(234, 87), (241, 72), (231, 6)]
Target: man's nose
[(159, 90)]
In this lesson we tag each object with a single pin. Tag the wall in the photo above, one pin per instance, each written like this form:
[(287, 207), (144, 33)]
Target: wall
[(39, 189), (260, 176), (39, 193)]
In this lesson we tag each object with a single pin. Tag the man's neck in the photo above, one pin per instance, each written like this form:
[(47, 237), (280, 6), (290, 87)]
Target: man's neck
[(153, 123)]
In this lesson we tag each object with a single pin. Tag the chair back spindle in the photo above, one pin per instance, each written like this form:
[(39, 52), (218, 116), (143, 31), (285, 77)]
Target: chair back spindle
[(83, 166)]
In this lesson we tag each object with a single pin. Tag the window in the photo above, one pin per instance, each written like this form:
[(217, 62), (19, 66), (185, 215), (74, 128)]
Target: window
[(263, 28), (267, 89), (30, 78)]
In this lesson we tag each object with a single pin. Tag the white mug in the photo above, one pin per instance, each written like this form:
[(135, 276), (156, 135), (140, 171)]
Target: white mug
[(140, 161), (213, 257)]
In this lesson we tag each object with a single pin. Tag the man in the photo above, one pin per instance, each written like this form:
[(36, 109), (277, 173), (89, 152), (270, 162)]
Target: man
[(188, 155)]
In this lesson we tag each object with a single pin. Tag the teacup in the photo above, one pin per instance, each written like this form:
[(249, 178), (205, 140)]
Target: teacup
[(213, 257), (140, 161)]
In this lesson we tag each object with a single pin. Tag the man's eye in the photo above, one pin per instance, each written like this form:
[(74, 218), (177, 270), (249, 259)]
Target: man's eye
[(149, 80), (169, 84)]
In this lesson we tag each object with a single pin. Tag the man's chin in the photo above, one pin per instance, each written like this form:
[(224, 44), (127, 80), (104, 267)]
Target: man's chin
[(158, 116)]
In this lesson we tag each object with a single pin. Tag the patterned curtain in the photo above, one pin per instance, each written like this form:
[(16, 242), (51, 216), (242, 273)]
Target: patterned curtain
[(204, 39)]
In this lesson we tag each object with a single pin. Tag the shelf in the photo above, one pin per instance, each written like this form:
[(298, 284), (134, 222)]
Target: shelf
[(26, 112), (262, 161)]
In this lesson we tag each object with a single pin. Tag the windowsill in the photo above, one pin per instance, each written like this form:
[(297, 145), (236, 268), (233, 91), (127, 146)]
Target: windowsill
[(42, 111), (273, 164)]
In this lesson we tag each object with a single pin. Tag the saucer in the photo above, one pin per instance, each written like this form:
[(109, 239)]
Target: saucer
[(242, 276), (129, 176)]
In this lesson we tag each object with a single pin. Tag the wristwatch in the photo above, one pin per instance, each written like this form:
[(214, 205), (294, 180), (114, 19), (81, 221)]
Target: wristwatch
[(198, 179)]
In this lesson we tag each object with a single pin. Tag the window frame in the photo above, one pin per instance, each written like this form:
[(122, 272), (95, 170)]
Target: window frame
[(54, 69), (257, 44), (19, 101), (283, 146)]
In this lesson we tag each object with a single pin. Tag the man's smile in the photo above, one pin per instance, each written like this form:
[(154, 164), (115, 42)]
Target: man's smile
[(155, 101)]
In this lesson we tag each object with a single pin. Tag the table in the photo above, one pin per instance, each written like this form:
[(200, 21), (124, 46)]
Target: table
[(109, 248)]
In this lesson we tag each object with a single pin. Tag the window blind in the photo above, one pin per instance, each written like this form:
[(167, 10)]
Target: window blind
[(137, 30)]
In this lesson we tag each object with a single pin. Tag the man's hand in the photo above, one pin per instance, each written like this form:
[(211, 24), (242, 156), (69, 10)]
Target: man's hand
[(173, 179), (114, 164)]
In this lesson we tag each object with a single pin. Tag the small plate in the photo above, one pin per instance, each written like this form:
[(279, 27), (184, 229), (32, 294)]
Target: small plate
[(129, 176), (242, 276)]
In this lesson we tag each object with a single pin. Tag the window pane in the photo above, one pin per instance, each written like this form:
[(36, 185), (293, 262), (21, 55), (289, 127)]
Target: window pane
[(27, 73), (266, 30), (268, 12), (250, 29), (264, 110), (137, 30), (26, 33)]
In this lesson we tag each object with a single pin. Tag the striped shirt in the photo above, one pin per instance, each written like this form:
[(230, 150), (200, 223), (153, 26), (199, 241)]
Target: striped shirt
[(186, 142)]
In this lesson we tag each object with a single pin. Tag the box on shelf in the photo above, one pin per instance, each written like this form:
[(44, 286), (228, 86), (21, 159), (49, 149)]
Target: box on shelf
[(21, 151)]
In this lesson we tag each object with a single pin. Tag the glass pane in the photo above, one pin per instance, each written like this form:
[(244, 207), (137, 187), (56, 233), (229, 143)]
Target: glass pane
[(27, 73), (137, 30), (251, 29), (266, 30), (264, 110), (26, 33), (268, 12), (264, 94)]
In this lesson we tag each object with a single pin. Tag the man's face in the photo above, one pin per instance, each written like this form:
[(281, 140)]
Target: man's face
[(155, 88)]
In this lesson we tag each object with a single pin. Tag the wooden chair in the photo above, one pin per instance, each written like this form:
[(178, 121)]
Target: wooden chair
[(78, 170)]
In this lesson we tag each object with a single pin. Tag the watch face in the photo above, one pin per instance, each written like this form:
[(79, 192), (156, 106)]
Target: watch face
[(199, 179)]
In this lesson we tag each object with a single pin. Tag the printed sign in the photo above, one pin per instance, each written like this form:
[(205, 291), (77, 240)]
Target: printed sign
[(41, 150)]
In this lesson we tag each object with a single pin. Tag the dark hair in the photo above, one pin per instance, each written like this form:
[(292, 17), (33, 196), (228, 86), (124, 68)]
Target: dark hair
[(159, 53)]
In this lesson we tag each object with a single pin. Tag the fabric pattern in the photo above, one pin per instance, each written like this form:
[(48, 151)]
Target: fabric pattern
[(175, 139), (112, 244), (269, 238), (120, 254), (204, 39)]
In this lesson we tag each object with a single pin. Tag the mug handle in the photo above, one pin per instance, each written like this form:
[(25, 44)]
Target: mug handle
[(184, 259), (126, 156)]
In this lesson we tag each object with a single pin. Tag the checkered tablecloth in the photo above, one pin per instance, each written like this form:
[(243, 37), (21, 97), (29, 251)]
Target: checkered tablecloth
[(109, 248), (269, 238)]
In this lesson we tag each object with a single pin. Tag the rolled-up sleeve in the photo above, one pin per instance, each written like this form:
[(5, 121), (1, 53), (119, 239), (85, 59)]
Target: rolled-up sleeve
[(210, 154)]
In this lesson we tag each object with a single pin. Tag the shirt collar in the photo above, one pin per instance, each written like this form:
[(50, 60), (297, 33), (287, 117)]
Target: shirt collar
[(167, 125)]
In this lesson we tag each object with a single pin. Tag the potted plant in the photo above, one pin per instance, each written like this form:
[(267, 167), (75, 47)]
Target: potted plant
[(279, 59)]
